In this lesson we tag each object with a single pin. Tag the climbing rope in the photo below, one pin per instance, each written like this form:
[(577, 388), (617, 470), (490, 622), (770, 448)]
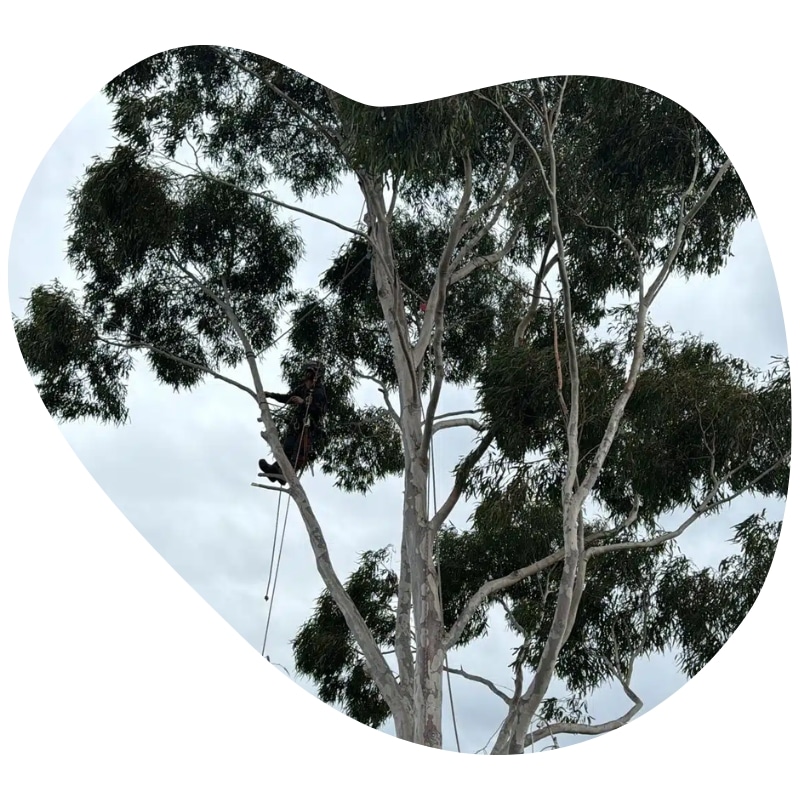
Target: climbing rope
[(269, 592), (303, 443), (272, 584)]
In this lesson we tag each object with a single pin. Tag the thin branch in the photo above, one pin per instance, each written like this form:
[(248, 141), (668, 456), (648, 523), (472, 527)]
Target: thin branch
[(695, 170), (486, 261), (468, 247), (438, 380), (680, 231), (502, 109), (629, 520), (461, 479), (557, 353), (384, 391), (455, 413), (478, 679), (557, 112), (701, 201), (492, 587), (617, 235), (518, 662), (496, 196), (185, 362), (393, 200), (458, 422), (438, 293), (267, 198), (706, 505), (515, 624), (579, 729), (530, 314)]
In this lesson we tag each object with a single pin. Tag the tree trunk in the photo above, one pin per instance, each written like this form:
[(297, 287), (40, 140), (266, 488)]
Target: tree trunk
[(418, 538)]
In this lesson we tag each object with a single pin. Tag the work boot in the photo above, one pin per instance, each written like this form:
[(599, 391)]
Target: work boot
[(272, 471)]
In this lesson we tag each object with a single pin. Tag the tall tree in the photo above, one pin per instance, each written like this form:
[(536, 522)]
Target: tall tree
[(497, 223)]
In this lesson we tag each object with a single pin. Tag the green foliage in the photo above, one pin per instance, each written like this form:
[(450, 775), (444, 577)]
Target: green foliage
[(636, 603), (240, 108), (695, 414), (349, 328), (625, 158), (79, 375), (421, 144), (141, 241), (701, 608), (365, 448), (178, 219), (324, 648)]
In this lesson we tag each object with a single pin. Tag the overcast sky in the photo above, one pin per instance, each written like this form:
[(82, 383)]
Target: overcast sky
[(181, 470)]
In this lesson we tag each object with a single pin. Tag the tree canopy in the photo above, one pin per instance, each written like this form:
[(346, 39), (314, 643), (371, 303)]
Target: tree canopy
[(498, 226)]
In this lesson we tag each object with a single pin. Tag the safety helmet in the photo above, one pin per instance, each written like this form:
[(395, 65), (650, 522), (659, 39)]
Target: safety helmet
[(316, 368)]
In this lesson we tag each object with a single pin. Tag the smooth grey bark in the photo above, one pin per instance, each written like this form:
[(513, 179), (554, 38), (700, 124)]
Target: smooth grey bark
[(414, 696), (512, 736)]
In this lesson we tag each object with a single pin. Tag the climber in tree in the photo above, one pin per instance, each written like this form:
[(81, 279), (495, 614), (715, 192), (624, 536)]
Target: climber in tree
[(304, 431)]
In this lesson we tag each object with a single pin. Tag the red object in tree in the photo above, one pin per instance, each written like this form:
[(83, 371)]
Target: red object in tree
[(423, 307)]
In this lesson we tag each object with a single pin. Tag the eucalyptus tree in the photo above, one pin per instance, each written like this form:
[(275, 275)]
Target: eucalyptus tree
[(496, 226)]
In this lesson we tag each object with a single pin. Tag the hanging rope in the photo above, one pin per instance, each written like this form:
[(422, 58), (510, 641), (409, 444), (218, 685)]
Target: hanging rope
[(304, 442), (432, 482), (269, 592)]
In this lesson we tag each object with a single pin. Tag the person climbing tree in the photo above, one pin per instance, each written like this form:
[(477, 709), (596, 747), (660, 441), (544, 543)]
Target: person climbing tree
[(304, 431)]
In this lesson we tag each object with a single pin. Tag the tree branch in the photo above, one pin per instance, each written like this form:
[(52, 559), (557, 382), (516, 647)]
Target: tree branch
[(458, 422), (198, 170), (461, 480), (486, 261), (706, 505), (438, 380), (454, 413), (384, 391), (645, 302), (512, 578), (492, 587), (553, 729), (530, 314), (376, 663), (185, 362), (436, 299), (478, 679)]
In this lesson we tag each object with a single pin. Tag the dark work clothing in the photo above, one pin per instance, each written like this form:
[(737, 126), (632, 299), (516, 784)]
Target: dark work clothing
[(300, 441), (297, 445), (319, 402)]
